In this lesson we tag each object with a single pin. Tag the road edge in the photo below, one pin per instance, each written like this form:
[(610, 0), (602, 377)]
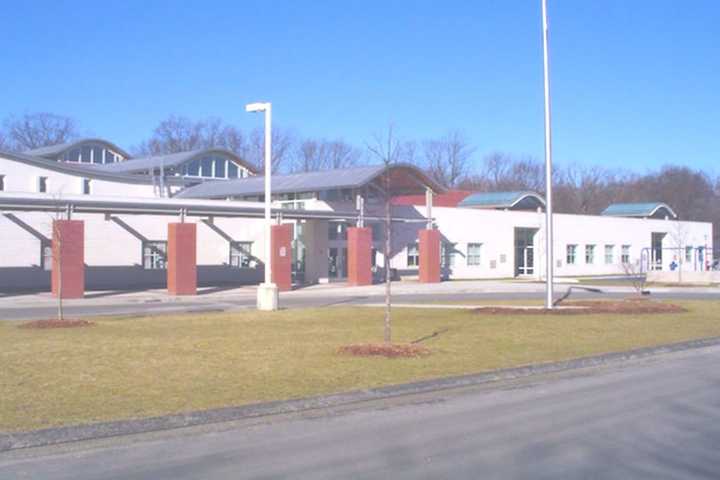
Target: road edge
[(76, 433)]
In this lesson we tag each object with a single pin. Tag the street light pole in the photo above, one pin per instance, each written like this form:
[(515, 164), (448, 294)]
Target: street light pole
[(267, 294), (548, 167)]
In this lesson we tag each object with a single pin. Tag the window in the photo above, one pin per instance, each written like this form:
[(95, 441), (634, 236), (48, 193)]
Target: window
[(46, 256), (413, 255), (42, 184), (86, 154), (109, 156), (193, 168), (474, 254), (232, 170), (571, 254), (86, 186), (240, 254), (589, 254), (206, 167), (220, 167), (337, 231), (154, 255), (447, 255), (609, 254), (688, 254), (2, 183), (625, 254), (97, 155)]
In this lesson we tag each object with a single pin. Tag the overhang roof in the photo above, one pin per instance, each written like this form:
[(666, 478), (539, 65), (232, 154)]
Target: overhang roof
[(646, 209), (141, 164), (43, 202), (403, 178), (55, 151), (500, 199)]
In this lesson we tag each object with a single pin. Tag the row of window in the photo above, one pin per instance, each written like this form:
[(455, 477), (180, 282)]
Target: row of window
[(154, 255), (92, 154), (212, 167), (473, 258), (42, 185), (571, 257)]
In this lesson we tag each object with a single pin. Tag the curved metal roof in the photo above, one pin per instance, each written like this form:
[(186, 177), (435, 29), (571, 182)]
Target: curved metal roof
[(142, 164), (646, 209), (87, 170), (404, 177), (500, 199), (55, 151)]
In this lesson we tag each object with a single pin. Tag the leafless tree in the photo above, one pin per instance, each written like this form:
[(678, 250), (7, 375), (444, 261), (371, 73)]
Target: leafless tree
[(282, 145), (389, 150), (447, 159), (35, 130), (312, 155)]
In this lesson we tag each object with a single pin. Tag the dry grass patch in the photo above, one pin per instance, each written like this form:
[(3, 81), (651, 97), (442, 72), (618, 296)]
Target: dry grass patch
[(140, 367), (388, 350), (55, 323)]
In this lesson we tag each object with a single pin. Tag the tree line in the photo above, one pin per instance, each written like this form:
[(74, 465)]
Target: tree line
[(449, 159)]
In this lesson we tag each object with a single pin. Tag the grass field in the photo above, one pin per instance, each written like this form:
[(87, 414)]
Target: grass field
[(138, 367)]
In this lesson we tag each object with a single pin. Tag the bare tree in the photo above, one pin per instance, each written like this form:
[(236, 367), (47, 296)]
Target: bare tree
[(282, 144), (312, 155), (35, 130), (447, 159), (389, 150)]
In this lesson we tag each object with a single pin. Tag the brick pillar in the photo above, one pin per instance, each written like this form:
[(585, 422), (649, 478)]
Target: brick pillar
[(182, 259), (359, 251), (68, 258), (280, 244), (429, 250)]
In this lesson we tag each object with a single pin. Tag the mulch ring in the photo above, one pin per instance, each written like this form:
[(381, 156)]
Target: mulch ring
[(388, 350), (584, 307), (55, 323)]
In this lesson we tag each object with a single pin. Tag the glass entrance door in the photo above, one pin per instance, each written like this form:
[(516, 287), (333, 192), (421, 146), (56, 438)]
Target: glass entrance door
[(524, 251)]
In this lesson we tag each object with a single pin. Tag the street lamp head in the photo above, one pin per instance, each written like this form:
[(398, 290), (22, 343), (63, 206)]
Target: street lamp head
[(256, 107)]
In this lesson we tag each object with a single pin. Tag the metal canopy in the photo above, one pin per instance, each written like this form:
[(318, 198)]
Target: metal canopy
[(25, 202)]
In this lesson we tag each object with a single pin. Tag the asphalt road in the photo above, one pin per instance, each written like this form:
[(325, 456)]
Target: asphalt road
[(28, 312), (655, 418)]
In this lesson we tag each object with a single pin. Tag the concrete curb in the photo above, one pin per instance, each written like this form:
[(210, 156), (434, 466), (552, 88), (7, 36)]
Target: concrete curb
[(54, 436)]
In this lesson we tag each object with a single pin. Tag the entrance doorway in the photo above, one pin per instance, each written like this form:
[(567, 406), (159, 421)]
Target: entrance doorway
[(525, 251), (337, 262), (656, 251)]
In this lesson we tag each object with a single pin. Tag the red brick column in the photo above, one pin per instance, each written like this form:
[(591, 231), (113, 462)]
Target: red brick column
[(280, 244), (359, 251), (182, 259), (68, 258), (429, 250)]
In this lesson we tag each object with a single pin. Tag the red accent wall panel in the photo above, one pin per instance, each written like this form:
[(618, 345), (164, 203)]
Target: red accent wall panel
[(359, 251), (182, 259), (429, 250), (281, 246), (68, 247)]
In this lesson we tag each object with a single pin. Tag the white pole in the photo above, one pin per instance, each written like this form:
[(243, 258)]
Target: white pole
[(268, 193), (548, 167)]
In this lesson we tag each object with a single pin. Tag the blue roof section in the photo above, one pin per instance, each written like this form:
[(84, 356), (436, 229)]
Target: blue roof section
[(647, 209), (500, 199), (55, 151)]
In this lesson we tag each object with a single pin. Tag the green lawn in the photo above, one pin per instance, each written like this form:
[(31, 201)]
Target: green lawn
[(137, 367)]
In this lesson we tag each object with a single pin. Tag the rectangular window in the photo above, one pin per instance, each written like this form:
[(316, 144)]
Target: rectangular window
[(2, 183), (571, 254), (86, 186), (590, 254), (206, 167), (609, 254), (688, 254), (447, 255), (42, 184), (232, 170), (240, 254), (625, 255), (413, 255), (154, 255), (337, 231), (97, 155), (46, 256), (474, 251), (220, 168), (86, 155)]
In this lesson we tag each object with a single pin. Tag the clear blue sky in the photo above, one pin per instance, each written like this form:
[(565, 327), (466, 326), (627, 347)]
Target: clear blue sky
[(636, 84)]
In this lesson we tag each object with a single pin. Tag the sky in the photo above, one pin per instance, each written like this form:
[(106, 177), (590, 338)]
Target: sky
[(635, 84)]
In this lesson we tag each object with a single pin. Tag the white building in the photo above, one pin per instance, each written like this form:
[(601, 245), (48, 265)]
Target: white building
[(127, 203)]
